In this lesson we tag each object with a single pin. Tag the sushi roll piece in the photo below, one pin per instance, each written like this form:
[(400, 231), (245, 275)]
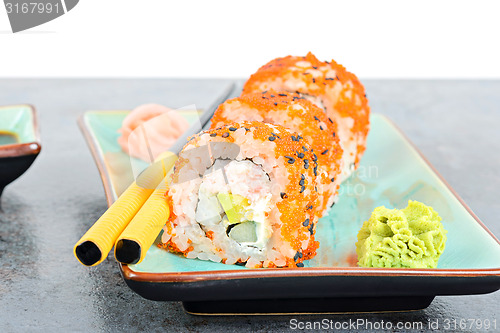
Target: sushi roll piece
[(301, 116), (241, 194), (331, 87)]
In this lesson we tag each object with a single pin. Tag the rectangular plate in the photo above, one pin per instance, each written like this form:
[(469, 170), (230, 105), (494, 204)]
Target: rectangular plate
[(392, 172)]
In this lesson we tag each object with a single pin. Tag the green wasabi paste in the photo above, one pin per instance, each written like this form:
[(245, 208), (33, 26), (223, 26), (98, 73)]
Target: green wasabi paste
[(413, 237)]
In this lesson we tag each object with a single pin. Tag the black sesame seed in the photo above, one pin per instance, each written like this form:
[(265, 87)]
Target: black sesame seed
[(225, 135), (299, 137), (302, 189), (337, 77), (283, 195), (272, 95), (333, 179), (213, 135), (333, 204), (333, 134), (315, 158), (297, 256), (305, 73), (240, 263), (306, 161), (311, 228), (324, 152), (310, 207), (314, 80), (282, 95), (304, 148), (330, 119), (264, 97), (316, 188), (232, 129), (276, 104), (294, 138), (306, 166), (301, 182), (320, 127), (299, 264), (247, 129), (291, 160), (300, 155), (329, 78), (272, 138), (314, 67), (316, 118), (265, 91), (305, 223)]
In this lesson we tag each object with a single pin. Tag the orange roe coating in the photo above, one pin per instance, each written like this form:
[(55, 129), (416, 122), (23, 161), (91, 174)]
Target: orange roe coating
[(298, 204), (321, 79), (298, 115), (310, 252)]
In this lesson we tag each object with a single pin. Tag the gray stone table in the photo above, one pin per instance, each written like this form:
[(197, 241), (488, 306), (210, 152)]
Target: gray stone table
[(456, 124)]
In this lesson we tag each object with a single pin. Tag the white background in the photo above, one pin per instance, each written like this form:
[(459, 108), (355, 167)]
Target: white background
[(160, 38)]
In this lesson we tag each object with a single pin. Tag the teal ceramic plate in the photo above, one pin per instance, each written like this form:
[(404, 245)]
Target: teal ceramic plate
[(19, 141), (391, 172)]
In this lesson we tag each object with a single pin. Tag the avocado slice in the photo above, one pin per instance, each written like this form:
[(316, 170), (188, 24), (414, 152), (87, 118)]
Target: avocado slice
[(234, 205), (244, 232)]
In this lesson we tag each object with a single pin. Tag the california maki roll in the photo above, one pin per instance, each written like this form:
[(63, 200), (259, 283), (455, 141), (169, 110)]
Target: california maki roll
[(331, 87), (301, 116), (244, 194)]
